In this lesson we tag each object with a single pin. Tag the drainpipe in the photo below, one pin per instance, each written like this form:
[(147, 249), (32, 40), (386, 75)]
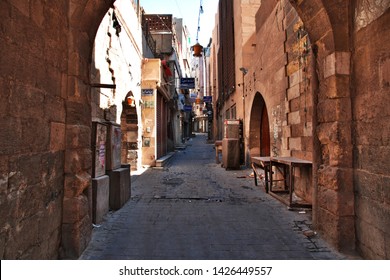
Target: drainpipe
[(244, 72)]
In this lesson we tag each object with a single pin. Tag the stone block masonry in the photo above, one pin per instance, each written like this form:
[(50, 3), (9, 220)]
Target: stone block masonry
[(100, 198), (119, 187)]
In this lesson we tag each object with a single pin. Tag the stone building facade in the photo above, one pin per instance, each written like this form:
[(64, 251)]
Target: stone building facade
[(312, 77), (45, 109), (45, 155)]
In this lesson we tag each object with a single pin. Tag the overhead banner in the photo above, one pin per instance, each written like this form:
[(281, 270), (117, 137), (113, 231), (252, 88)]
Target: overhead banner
[(187, 83)]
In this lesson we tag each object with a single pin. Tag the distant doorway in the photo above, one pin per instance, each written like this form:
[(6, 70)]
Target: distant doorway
[(129, 126), (259, 131)]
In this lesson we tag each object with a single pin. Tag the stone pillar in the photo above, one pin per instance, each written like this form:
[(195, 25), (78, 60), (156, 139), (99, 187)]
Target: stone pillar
[(77, 221), (84, 18), (335, 195)]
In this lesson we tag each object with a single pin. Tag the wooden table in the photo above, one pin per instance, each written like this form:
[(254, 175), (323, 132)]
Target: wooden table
[(288, 164), (264, 163)]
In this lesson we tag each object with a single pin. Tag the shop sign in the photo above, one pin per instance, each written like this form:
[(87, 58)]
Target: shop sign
[(207, 99), (187, 108), (148, 92), (187, 83)]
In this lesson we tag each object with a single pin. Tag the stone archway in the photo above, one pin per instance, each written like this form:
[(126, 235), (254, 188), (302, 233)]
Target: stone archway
[(84, 20), (259, 129), (333, 204)]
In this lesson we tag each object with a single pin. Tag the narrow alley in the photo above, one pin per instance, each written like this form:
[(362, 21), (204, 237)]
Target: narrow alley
[(195, 209)]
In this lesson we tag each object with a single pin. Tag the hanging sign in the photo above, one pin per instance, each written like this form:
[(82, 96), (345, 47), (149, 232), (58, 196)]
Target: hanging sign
[(187, 108), (147, 92), (187, 83), (207, 99)]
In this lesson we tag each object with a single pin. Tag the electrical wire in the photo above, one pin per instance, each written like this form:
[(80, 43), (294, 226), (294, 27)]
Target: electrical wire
[(200, 12)]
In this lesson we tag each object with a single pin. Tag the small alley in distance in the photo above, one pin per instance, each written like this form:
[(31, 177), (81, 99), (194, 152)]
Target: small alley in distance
[(126, 135)]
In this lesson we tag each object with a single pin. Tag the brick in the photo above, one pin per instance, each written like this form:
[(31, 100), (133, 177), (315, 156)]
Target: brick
[(75, 238), (22, 238), (331, 110), (337, 63), (296, 130), (371, 186), (78, 113), (78, 136), (295, 78), (295, 104), (295, 143), (78, 160), (75, 209), (22, 173), (308, 129), (340, 155), (35, 135), (318, 22), (78, 92), (371, 159), (371, 242), (57, 137), (286, 131), (22, 6), (75, 185), (293, 92), (335, 193), (294, 118), (26, 101), (54, 109)]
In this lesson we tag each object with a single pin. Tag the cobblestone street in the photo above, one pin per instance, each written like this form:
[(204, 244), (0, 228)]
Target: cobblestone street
[(195, 209)]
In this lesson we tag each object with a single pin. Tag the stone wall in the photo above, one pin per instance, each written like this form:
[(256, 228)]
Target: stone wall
[(45, 154), (371, 128), (33, 71), (267, 73), (282, 74)]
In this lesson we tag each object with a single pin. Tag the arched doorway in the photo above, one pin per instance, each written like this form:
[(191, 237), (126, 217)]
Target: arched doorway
[(129, 126), (83, 24), (259, 129)]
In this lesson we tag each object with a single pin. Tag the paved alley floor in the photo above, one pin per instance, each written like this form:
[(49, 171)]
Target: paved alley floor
[(195, 209)]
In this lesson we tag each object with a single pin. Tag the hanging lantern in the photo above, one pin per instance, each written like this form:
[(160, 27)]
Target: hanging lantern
[(131, 101), (197, 48)]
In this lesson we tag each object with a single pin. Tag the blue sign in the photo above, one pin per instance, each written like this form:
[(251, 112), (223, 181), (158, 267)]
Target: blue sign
[(187, 83), (187, 108), (147, 92), (207, 99)]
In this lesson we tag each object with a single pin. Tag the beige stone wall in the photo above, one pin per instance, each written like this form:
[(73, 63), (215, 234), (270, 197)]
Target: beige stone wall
[(371, 128), (281, 72), (45, 115), (151, 79), (116, 61)]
